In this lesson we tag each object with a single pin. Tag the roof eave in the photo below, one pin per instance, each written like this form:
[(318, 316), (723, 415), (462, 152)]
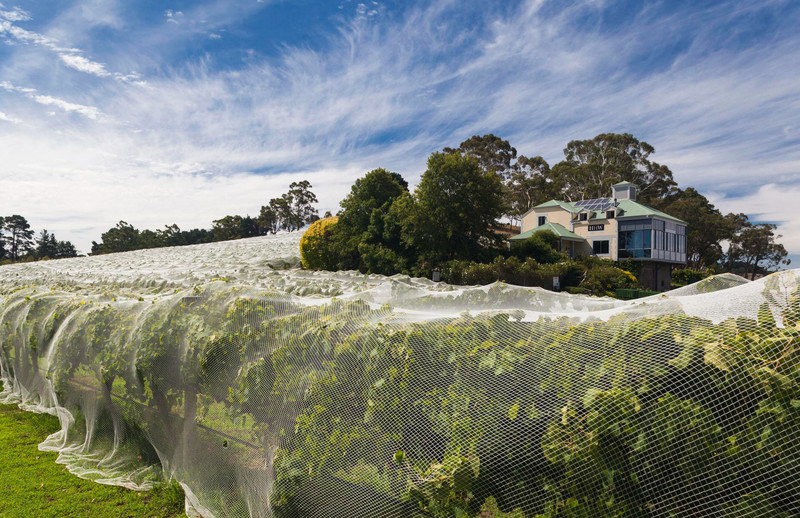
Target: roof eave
[(667, 217)]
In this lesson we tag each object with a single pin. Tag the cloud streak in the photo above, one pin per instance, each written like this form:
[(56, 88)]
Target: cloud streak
[(82, 64), (9, 118), (16, 14), (71, 57), (87, 111)]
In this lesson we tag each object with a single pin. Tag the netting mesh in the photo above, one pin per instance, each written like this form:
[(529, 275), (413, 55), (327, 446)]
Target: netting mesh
[(270, 392)]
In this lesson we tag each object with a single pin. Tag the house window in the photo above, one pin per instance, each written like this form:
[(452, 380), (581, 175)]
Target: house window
[(600, 247), (583, 216), (660, 240), (636, 243), (609, 214), (542, 220)]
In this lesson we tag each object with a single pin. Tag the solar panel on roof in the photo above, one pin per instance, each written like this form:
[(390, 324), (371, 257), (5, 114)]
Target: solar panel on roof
[(593, 204)]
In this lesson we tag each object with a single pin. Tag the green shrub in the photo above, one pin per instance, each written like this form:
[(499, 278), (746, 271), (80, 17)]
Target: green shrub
[(569, 273), (381, 259), (606, 279), (629, 265), (513, 271), (576, 290), (686, 276), (541, 247)]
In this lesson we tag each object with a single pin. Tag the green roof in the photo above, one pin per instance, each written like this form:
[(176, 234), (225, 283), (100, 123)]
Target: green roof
[(557, 203), (625, 209), (630, 209), (555, 228)]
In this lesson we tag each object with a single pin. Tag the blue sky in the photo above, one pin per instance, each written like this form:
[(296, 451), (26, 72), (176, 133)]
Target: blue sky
[(182, 112)]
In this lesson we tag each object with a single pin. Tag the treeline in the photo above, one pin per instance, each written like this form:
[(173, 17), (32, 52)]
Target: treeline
[(291, 211), (453, 213), (18, 244)]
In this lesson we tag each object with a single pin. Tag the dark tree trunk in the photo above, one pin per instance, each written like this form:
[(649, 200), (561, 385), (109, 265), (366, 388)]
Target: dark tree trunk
[(34, 363), (116, 419), (17, 370), (163, 412)]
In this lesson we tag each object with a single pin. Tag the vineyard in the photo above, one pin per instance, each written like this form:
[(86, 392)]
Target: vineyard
[(266, 390)]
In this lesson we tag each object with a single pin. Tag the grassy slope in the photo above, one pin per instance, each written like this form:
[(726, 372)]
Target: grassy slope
[(32, 484)]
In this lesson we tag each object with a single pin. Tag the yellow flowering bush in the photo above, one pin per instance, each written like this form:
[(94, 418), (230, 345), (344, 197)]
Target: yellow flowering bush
[(316, 245)]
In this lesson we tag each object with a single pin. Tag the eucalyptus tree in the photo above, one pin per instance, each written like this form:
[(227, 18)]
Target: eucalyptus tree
[(528, 185), (592, 166), (493, 154), (756, 247)]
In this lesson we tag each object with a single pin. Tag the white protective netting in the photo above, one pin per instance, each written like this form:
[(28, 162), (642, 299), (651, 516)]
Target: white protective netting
[(271, 391)]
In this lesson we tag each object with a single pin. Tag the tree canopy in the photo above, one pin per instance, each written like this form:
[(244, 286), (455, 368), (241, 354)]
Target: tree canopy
[(368, 202), (370, 192), (48, 247), (458, 206), (493, 154), (755, 247), (589, 169), (17, 242), (529, 184), (592, 166), (234, 227), (383, 228), (291, 211)]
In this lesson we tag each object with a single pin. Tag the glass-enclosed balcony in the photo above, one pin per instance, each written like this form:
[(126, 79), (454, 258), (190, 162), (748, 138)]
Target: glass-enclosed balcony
[(652, 239)]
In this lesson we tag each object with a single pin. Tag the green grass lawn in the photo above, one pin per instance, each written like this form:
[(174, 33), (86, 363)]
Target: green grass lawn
[(32, 484)]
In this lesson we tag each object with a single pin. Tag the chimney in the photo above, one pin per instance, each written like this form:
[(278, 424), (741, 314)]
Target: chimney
[(623, 191)]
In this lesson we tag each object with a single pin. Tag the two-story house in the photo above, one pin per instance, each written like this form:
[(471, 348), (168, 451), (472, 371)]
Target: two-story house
[(614, 228)]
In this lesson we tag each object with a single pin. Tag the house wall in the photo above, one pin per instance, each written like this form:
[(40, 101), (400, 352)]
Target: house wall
[(608, 233), (581, 228), (553, 214)]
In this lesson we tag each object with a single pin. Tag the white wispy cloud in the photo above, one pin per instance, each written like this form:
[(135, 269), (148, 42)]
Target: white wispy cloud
[(367, 11), (26, 36), (173, 16), (87, 111), (16, 14), (84, 65), (71, 57), (9, 118)]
